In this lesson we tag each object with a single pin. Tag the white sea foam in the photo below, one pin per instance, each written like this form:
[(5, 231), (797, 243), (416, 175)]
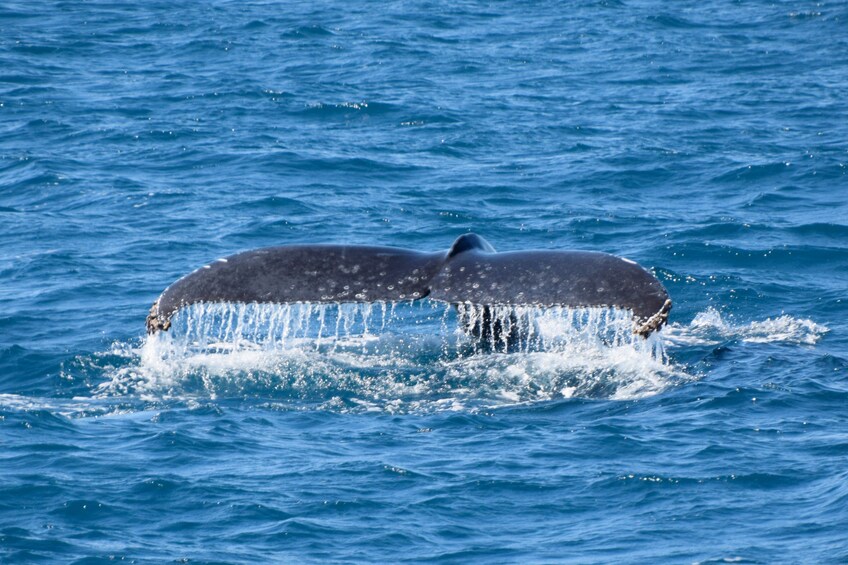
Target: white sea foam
[(405, 357), (420, 357), (710, 327), (77, 407), (397, 357)]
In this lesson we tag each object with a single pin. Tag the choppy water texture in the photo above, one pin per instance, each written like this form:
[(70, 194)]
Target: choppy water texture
[(705, 140)]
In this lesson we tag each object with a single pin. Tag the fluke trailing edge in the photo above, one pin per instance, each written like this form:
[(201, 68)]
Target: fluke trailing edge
[(470, 272)]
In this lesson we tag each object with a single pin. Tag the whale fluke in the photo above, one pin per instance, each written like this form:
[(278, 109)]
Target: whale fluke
[(470, 272)]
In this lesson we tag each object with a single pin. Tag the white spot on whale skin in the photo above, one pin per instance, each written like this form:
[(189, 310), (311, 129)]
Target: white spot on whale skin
[(221, 260), (207, 266), (629, 261)]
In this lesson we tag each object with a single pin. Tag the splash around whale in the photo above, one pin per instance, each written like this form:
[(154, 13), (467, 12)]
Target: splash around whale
[(471, 272)]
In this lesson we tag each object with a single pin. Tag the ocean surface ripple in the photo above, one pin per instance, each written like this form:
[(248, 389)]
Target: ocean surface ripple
[(705, 140)]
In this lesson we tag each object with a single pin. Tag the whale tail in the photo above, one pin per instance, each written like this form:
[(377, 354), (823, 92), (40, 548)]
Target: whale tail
[(470, 272)]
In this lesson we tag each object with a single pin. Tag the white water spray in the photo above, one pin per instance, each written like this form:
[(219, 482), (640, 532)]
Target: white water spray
[(425, 355)]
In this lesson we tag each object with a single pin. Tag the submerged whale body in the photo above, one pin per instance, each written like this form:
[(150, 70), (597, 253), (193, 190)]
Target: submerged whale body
[(470, 272)]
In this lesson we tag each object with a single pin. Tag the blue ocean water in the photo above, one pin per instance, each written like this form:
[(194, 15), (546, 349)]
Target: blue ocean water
[(706, 140)]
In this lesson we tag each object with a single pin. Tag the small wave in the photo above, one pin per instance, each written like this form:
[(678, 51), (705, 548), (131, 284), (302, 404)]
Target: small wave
[(321, 110), (755, 172), (668, 21), (821, 229), (78, 407), (710, 328), (313, 30)]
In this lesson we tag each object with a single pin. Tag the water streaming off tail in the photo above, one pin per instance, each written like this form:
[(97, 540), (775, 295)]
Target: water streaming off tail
[(397, 356), (499, 328)]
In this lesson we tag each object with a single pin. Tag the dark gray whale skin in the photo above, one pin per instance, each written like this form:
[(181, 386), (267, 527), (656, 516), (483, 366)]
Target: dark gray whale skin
[(469, 272)]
